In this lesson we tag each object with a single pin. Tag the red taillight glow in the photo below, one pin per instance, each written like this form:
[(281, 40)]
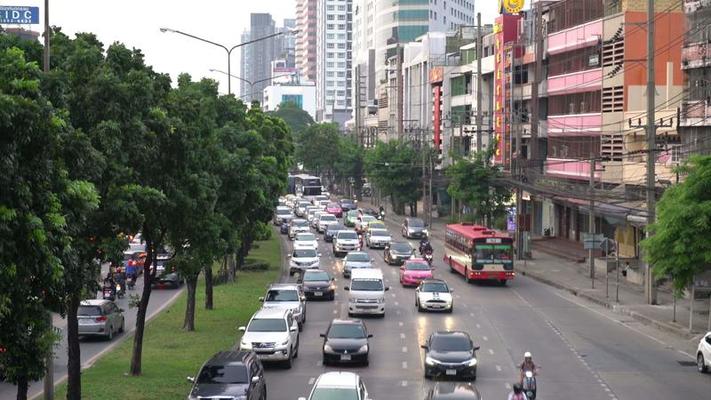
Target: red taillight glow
[(101, 318)]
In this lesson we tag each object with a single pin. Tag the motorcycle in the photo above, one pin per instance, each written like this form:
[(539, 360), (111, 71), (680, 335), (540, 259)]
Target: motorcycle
[(428, 257), (131, 283), (529, 384), (381, 216), (107, 292), (120, 291)]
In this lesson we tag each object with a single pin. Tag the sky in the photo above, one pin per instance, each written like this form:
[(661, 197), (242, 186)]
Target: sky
[(137, 24)]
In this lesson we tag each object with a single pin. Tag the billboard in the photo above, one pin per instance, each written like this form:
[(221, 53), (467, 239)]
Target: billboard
[(19, 15), (510, 6)]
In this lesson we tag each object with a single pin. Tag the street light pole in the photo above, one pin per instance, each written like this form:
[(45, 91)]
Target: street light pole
[(250, 83)]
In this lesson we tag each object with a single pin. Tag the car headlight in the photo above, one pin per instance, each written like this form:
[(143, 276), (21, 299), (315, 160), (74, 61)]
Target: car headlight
[(472, 362), (245, 345), (351, 300), (327, 347), (363, 348), (424, 231), (332, 286), (430, 361), (284, 343), (381, 300)]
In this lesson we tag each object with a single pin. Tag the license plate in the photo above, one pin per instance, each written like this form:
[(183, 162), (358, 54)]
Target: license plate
[(451, 372), (345, 357), (318, 293)]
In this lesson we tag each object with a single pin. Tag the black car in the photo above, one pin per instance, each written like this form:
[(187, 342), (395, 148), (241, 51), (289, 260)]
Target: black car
[(371, 211), (346, 341), (414, 228), (230, 375), (167, 276), (284, 228), (397, 253), (347, 205), (450, 354), (331, 231), (453, 391), (317, 284)]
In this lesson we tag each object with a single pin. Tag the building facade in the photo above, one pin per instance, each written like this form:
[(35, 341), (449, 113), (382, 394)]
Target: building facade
[(302, 95), (306, 23)]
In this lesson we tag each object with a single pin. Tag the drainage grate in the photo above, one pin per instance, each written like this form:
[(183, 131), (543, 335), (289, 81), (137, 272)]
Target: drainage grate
[(687, 363)]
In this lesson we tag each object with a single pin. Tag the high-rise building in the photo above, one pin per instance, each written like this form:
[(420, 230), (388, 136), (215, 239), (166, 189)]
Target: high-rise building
[(286, 44), (244, 66), (306, 38), (333, 60), (257, 57)]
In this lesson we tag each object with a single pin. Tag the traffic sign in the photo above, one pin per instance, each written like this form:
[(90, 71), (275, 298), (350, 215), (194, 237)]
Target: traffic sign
[(19, 15), (592, 242)]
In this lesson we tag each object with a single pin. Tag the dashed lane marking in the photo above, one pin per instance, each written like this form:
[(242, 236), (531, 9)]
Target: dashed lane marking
[(404, 349), (404, 365), (402, 336), (403, 383), (498, 368), (491, 351), (311, 380), (485, 338), (400, 323), (397, 304)]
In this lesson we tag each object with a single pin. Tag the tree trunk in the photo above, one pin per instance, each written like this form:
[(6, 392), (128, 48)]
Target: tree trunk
[(22, 387), (232, 267), (73, 350), (244, 248), (208, 287), (148, 277), (189, 323)]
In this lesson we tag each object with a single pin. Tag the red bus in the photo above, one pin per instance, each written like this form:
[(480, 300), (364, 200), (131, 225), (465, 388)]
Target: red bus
[(479, 253)]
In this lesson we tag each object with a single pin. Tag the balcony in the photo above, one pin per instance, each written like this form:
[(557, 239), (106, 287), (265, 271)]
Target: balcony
[(574, 125), (575, 82), (572, 169), (695, 113), (696, 55), (575, 38)]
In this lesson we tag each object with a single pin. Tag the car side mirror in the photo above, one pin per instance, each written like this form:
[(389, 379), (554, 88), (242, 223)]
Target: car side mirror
[(293, 329), (387, 288), (302, 398), (424, 346), (261, 299), (190, 379), (346, 288), (370, 335), (451, 290), (242, 329), (476, 348), (288, 256), (121, 310), (322, 335), (255, 379)]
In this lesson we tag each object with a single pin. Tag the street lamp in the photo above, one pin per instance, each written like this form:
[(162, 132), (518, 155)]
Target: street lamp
[(228, 50), (250, 83)]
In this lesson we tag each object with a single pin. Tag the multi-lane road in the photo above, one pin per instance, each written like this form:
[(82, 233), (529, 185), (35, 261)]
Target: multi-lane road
[(583, 351)]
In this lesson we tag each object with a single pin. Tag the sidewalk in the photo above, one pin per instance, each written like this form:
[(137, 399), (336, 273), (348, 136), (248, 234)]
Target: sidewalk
[(571, 276)]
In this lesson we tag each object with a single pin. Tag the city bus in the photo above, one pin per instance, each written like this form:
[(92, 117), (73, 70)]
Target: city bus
[(479, 253), (291, 184), (307, 186)]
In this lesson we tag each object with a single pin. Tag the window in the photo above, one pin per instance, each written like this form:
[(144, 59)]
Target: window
[(575, 103), (341, 55), (566, 14), (342, 27), (341, 17), (341, 65), (329, 7), (329, 36), (329, 92), (574, 61), (341, 93), (330, 17), (329, 64), (341, 45), (577, 147), (329, 45), (330, 55), (341, 74), (341, 8), (330, 26), (329, 74)]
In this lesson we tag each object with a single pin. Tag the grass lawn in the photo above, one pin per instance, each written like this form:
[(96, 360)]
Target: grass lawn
[(169, 353)]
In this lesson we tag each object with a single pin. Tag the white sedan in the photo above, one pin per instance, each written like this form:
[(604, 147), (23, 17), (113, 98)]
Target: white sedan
[(434, 295), (305, 241), (703, 354)]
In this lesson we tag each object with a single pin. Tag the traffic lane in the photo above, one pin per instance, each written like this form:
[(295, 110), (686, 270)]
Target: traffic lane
[(92, 348)]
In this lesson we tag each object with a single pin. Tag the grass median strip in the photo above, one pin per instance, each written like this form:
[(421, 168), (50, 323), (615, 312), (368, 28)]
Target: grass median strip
[(169, 353)]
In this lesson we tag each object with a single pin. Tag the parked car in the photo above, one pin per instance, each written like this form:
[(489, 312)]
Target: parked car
[(377, 238), (450, 353), (298, 225), (302, 259), (288, 296), (317, 284), (346, 341), (350, 219), (414, 271), (335, 209), (703, 354), (305, 241), (282, 214), (324, 221), (453, 391), (273, 334), (332, 230), (355, 260), (230, 375), (414, 228), (100, 318), (344, 242), (434, 295), (338, 385), (397, 253), (347, 205)]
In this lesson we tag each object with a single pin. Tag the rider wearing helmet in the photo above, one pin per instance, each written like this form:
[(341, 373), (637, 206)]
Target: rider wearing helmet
[(517, 393), (425, 246), (527, 364)]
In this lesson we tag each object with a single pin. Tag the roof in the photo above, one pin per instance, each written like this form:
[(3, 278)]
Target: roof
[(337, 379), (294, 286), (451, 333), (434, 280), (366, 273), (94, 302), (270, 312), (228, 357), (349, 321), (475, 231)]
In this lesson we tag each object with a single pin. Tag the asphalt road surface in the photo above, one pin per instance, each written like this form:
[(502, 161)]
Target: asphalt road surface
[(93, 348), (583, 351)]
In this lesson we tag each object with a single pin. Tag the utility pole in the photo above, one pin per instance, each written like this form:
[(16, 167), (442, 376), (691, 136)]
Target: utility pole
[(400, 95), (650, 288), (537, 67), (478, 93), (423, 150), (591, 221), (46, 36), (357, 107)]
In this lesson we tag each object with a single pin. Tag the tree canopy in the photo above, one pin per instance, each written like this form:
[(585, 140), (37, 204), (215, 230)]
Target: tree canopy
[(396, 169)]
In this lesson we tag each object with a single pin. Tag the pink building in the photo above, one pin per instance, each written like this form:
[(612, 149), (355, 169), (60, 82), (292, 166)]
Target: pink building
[(306, 38)]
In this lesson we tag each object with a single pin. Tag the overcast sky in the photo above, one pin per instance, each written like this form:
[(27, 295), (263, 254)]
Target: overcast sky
[(136, 24)]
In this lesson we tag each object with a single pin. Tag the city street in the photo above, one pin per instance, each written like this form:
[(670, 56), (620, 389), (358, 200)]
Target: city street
[(93, 348), (581, 349)]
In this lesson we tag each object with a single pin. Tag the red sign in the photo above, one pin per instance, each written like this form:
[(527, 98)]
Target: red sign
[(437, 117), (436, 74), (506, 31)]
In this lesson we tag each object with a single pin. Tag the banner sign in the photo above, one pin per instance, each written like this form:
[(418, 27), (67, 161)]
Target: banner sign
[(510, 6), (19, 15)]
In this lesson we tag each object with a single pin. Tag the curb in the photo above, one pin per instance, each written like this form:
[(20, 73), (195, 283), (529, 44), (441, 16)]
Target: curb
[(619, 309)]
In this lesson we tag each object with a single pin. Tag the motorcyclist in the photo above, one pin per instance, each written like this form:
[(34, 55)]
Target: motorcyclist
[(517, 393), (425, 246), (110, 283), (120, 279), (527, 365), (381, 212)]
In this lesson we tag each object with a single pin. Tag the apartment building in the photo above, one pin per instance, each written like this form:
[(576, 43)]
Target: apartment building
[(306, 24)]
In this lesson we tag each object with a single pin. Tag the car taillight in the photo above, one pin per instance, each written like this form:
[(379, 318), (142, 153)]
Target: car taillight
[(131, 263), (101, 318)]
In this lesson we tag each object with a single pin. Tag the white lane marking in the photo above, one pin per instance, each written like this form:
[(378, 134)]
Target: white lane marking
[(402, 336), (403, 383), (508, 386), (318, 363), (397, 312), (477, 325), (404, 349), (392, 294), (498, 368), (335, 311), (404, 365), (491, 351), (400, 323), (485, 338), (311, 380), (471, 315), (397, 304)]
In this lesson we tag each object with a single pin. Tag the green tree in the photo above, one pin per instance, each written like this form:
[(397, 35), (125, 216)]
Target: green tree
[(396, 169), (317, 148), (678, 248), (350, 164), (474, 182), (294, 116)]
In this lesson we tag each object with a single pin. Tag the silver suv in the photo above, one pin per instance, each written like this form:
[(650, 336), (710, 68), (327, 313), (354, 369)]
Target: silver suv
[(100, 318), (344, 242), (287, 296), (273, 334)]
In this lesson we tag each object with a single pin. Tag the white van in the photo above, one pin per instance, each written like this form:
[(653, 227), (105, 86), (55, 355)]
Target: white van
[(367, 292)]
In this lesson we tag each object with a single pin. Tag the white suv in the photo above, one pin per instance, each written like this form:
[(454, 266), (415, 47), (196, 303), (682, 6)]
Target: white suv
[(703, 354), (303, 259), (344, 242), (287, 296), (273, 334), (338, 385), (325, 220)]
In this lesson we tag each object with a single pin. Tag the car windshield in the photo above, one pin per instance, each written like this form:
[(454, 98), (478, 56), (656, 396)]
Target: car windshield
[(335, 228), (214, 374), (401, 247), (267, 325), (359, 257), (333, 205), (434, 287), (285, 211), (416, 223), (282, 295), (334, 394), (301, 223), (316, 276), (328, 217), (450, 343), (347, 202), (353, 213), (346, 331), (379, 232), (367, 218), (347, 235), (305, 236), (417, 266), (367, 285), (89, 311), (304, 253)]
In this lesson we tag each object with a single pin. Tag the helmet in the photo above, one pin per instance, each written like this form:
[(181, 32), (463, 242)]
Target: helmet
[(517, 388), (527, 354)]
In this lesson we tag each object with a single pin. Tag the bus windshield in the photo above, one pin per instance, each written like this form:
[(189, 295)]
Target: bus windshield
[(493, 252)]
